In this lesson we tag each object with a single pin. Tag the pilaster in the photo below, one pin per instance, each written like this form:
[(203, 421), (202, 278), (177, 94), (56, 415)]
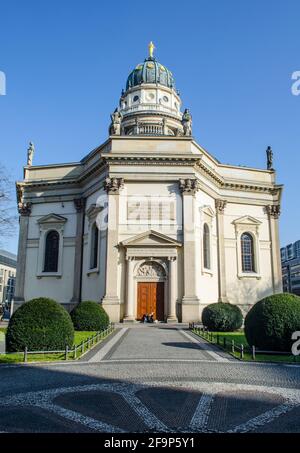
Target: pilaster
[(220, 206), (130, 300), (111, 300), (273, 212), (24, 211), (77, 283), (190, 300), (172, 290)]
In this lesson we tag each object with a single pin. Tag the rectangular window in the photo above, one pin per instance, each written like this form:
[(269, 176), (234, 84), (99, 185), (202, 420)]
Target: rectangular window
[(297, 249), (247, 253), (290, 251)]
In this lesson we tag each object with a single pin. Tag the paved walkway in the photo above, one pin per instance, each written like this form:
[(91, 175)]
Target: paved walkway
[(156, 343), (150, 379)]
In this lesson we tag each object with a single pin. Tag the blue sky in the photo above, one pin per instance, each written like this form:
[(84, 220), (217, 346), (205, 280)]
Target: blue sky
[(66, 62)]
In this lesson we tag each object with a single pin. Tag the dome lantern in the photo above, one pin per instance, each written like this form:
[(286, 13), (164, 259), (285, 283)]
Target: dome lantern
[(150, 71), (150, 104)]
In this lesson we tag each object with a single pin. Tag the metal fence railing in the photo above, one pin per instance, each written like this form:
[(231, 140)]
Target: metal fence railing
[(233, 346), (76, 351)]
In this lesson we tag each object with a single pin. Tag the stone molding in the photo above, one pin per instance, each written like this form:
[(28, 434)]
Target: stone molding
[(180, 160), (273, 210), (220, 205), (52, 221), (153, 160), (151, 269), (150, 238), (92, 212), (208, 171), (24, 208), (172, 258), (79, 204), (151, 253), (250, 225), (189, 186), (245, 224), (113, 185)]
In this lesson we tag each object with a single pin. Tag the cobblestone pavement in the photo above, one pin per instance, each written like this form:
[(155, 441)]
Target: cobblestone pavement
[(151, 379)]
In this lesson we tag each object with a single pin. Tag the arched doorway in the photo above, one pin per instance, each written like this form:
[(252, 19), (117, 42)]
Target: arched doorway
[(151, 278)]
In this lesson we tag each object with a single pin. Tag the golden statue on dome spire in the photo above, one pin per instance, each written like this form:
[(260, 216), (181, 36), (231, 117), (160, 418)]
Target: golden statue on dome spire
[(151, 48)]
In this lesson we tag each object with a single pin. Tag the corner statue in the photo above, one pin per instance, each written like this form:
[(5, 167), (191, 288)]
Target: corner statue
[(115, 126), (269, 158), (187, 122), (30, 153)]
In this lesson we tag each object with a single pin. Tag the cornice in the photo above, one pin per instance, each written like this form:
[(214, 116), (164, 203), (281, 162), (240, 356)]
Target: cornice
[(237, 186), (177, 160), (208, 171), (152, 137), (100, 165), (53, 183)]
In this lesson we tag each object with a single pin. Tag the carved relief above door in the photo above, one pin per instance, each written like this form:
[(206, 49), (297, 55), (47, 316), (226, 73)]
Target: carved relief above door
[(151, 269)]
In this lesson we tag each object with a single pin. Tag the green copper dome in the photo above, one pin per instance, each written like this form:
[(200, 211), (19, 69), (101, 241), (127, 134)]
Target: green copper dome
[(150, 72)]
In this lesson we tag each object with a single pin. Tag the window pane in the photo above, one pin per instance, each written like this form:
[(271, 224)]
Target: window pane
[(206, 247), (94, 247), (51, 252), (247, 253)]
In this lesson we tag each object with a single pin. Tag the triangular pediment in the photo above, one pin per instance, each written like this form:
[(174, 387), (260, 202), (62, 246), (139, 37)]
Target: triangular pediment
[(52, 218), (246, 220), (208, 211), (151, 238), (94, 210)]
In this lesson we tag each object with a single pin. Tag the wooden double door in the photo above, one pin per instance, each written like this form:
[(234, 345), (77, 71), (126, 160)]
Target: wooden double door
[(150, 299)]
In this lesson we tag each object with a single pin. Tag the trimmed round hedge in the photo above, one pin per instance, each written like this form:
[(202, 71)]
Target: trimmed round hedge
[(271, 321), (222, 317), (40, 324), (89, 315)]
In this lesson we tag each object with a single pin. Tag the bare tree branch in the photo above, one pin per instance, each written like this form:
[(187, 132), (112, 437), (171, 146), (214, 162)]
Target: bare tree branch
[(8, 216)]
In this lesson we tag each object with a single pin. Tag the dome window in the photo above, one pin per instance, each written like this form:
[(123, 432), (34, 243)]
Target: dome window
[(149, 96), (135, 98), (166, 99)]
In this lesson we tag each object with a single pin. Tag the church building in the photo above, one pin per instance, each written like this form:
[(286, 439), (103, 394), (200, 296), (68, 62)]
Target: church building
[(149, 221)]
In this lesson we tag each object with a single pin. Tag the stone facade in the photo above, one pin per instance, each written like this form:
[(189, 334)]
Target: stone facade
[(149, 194)]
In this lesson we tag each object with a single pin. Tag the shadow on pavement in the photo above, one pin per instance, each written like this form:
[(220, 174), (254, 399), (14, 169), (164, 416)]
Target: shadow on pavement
[(64, 400)]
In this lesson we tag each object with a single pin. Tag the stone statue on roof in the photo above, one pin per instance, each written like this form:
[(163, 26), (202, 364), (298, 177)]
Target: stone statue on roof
[(187, 122), (269, 153), (30, 154), (115, 126)]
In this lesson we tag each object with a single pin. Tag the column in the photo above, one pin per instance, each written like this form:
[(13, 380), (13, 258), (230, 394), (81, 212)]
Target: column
[(24, 211), (273, 214), (172, 290), (77, 282), (190, 300), (220, 206), (111, 300), (130, 299)]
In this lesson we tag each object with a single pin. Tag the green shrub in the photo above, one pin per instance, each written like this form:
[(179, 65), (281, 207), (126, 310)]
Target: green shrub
[(271, 321), (39, 324), (89, 315), (222, 317)]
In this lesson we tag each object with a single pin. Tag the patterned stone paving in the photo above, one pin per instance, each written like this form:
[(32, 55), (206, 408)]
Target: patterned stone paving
[(117, 408), (185, 387)]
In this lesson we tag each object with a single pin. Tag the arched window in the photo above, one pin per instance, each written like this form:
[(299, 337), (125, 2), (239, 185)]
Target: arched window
[(247, 248), (94, 246), (206, 247), (51, 251)]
